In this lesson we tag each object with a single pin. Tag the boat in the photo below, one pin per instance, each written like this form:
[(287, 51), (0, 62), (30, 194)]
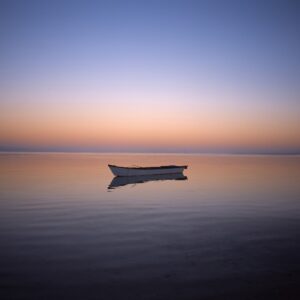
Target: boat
[(119, 181), (139, 171)]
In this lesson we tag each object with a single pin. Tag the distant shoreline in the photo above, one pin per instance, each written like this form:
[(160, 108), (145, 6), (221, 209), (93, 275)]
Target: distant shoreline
[(157, 153)]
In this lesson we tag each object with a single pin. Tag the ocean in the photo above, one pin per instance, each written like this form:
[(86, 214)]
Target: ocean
[(228, 229)]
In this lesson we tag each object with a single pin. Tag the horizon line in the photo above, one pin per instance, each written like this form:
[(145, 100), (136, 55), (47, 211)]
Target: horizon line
[(277, 153)]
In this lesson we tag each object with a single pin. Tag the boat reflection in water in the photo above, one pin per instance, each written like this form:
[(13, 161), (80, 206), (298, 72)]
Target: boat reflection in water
[(122, 181)]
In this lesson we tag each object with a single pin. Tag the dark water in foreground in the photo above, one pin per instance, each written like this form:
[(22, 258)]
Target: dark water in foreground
[(229, 231)]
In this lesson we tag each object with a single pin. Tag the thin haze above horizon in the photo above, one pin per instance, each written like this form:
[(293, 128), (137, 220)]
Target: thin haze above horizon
[(158, 76)]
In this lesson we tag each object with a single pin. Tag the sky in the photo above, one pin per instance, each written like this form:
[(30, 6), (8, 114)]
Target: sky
[(150, 76)]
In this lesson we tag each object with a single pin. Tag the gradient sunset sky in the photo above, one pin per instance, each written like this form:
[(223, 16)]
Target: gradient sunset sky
[(162, 76)]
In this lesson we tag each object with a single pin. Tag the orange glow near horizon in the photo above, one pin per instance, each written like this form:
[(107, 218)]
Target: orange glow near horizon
[(161, 125)]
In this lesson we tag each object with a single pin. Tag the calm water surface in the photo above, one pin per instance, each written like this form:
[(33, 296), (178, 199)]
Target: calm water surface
[(228, 231)]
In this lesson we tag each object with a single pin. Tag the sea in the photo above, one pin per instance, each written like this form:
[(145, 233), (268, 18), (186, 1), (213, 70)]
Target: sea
[(228, 228)]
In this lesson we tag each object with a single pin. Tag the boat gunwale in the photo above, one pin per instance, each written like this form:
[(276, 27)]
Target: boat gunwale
[(150, 168)]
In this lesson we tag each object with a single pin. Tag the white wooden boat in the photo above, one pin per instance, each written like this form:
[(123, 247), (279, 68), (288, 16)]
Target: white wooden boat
[(120, 181), (139, 171)]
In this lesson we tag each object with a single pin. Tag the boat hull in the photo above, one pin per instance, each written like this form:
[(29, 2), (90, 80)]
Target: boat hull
[(124, 171)]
